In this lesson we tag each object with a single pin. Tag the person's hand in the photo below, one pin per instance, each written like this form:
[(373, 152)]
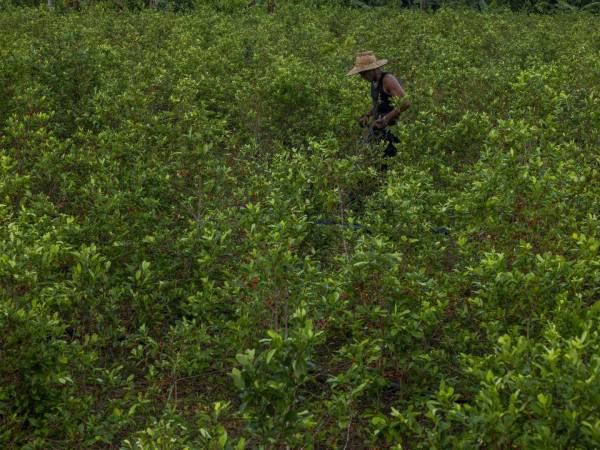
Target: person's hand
[(380, 123), (364, 120)]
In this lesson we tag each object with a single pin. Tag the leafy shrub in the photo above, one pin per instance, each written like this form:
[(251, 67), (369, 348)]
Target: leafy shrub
[(197, 249)]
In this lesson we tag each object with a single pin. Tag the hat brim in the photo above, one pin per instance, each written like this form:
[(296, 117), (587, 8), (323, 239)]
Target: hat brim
[(375, 65)]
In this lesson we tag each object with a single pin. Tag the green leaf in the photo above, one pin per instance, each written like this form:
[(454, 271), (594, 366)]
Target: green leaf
[(275, 337), (223, 439), (241, 445), (245, 359), (270, 355), (238, 380)]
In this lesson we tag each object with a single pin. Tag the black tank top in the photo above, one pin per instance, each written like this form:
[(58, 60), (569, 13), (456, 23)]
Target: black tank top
[(381, 99)]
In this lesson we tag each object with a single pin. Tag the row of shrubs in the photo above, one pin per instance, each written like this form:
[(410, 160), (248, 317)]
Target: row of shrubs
[(198, 251), (232, 6)]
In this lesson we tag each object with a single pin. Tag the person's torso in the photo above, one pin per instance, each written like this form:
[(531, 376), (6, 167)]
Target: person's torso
[(381, 99)]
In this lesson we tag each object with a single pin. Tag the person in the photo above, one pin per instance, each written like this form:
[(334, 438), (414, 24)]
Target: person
[(384, 86)]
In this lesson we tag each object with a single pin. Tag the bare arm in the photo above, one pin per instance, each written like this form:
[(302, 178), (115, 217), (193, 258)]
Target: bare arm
[(392, 87)]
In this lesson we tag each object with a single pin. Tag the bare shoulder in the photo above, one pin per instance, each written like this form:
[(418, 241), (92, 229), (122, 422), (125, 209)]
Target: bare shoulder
[(392, 86), (390, 78)]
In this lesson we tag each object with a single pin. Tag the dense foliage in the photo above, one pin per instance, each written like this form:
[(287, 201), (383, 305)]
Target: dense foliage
[(533, 6), (197, 250)]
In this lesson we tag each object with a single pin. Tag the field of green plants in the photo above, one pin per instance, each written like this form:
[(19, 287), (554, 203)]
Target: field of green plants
[(198, 251)]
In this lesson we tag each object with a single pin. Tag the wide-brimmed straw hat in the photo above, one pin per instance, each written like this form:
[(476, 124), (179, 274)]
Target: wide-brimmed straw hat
[(366, 61)]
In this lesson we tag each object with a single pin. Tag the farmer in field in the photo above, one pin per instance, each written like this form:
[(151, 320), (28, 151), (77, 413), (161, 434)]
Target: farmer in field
[(382, 114)]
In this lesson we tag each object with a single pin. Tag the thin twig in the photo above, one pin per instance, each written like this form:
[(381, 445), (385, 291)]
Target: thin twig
[(342, 208), (348, 433)]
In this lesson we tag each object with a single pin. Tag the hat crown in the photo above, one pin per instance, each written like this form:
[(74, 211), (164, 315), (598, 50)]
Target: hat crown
[(365, 59)]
